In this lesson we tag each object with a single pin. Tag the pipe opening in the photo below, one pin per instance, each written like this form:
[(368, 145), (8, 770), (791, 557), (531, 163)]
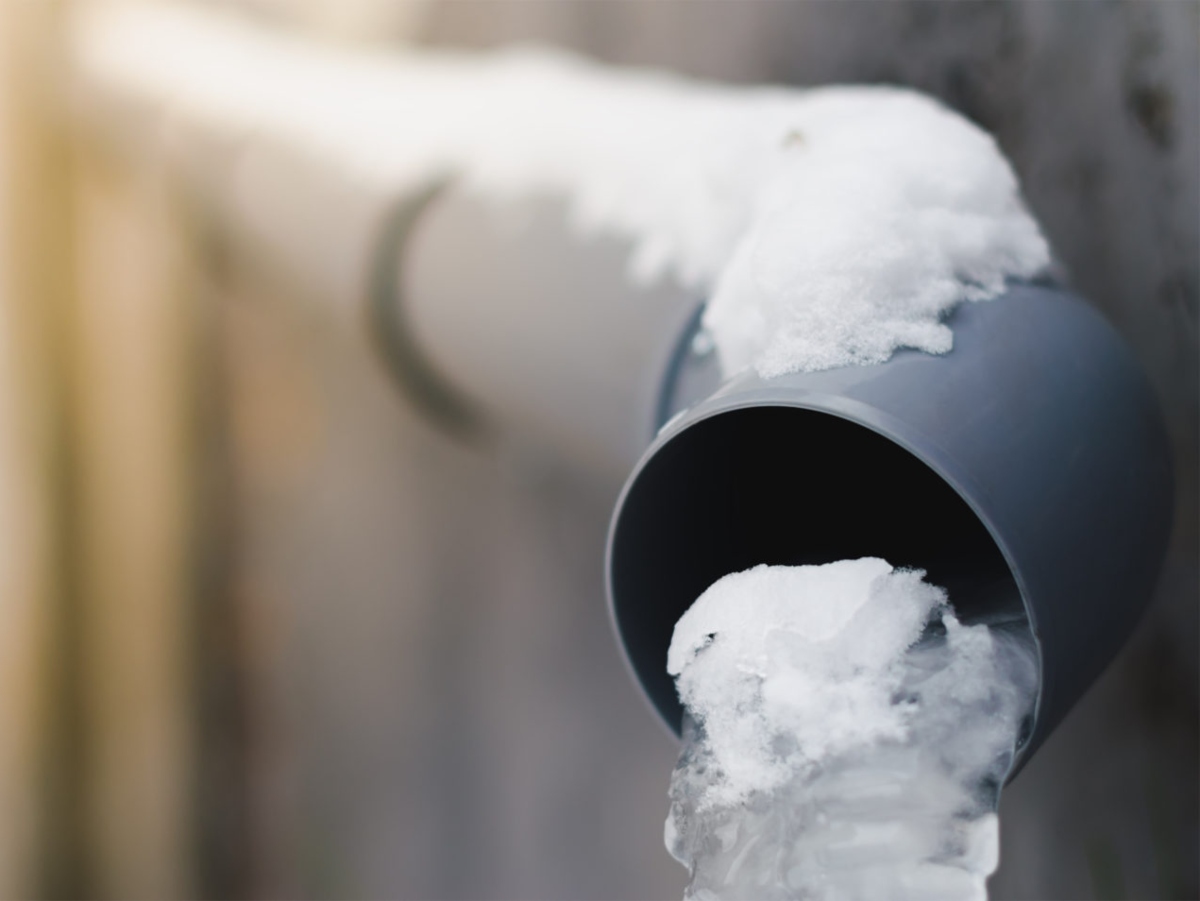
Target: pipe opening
[(786, 486)]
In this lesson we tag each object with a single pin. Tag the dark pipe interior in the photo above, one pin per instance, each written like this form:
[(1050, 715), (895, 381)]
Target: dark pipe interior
[(783, 485)]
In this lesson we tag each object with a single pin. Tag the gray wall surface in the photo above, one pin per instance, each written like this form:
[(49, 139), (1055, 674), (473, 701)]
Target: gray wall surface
[(438, 706)]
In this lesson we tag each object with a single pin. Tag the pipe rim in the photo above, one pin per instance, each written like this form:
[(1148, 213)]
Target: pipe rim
[(746, 392)]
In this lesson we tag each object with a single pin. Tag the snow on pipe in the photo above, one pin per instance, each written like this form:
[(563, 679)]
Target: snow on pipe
[(780, 239)]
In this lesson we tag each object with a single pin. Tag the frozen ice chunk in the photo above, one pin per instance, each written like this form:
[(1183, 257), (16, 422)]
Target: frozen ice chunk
[(846, 736)]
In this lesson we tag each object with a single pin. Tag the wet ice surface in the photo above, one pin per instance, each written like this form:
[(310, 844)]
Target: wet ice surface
[(847, 737)]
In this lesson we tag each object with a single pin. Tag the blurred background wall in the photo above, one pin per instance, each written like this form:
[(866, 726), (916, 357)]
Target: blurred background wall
[(265, 632)]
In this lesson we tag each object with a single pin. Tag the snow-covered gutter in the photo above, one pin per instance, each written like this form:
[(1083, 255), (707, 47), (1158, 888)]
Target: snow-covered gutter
[(813, 296), (828, 226)]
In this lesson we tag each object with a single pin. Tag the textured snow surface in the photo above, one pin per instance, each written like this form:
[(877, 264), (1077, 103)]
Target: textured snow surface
[(828, 226), (847, 736)]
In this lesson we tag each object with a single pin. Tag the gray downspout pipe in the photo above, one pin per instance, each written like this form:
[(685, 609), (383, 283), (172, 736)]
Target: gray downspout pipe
[(1026, 471)]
